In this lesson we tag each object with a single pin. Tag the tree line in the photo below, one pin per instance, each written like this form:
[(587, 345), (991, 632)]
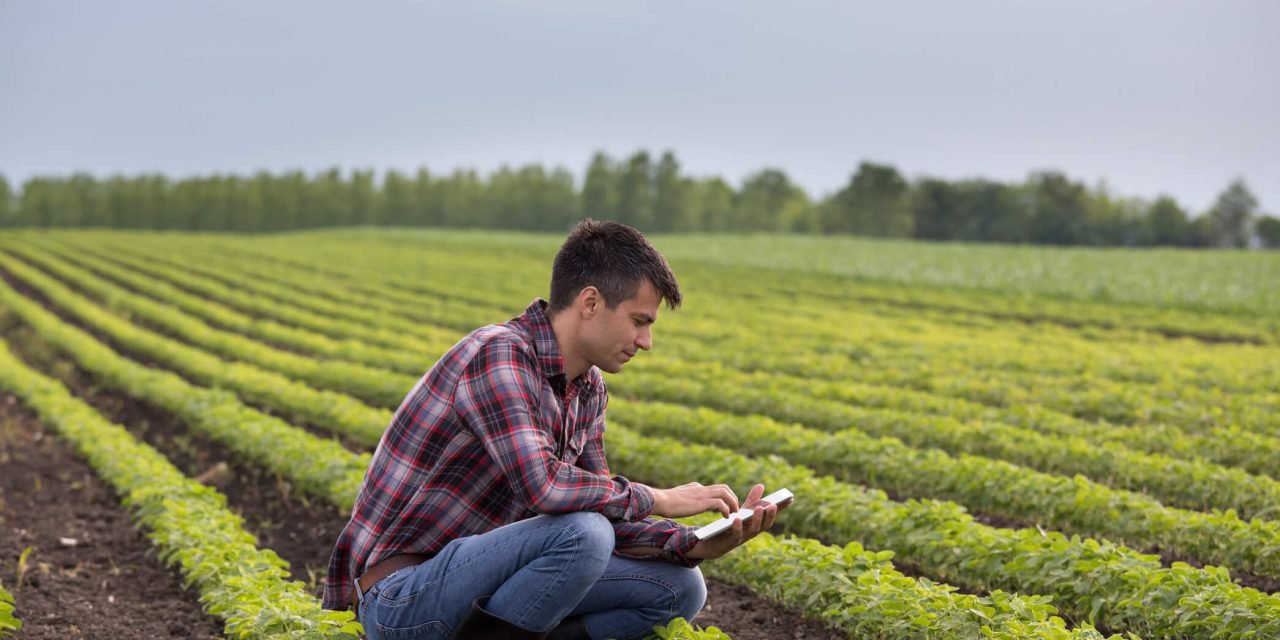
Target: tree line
[(650, 194)]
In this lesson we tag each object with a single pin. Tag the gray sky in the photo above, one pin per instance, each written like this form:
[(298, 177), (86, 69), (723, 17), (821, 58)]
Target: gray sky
[(1154, 96)]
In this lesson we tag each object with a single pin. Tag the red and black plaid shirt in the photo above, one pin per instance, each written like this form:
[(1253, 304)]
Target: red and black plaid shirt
[(493, 434)]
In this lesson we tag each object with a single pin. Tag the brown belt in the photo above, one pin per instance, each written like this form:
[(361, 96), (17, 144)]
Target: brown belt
[(385, 568)]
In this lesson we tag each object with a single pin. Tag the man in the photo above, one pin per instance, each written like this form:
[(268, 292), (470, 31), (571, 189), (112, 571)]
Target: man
[(488, 510)]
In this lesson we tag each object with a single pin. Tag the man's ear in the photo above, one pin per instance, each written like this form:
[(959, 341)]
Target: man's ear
[(589, 302)]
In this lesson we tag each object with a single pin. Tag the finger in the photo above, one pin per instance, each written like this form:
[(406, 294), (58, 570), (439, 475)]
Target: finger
[(738, 528), (752, 527), (729, 496), (770, 515), (755, 494), (718, 504)]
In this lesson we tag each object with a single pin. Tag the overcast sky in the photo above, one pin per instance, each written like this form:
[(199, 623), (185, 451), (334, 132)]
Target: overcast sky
[(1152, 97)]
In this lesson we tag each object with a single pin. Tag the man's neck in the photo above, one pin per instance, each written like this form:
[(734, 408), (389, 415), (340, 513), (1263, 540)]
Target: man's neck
[(566, 330)]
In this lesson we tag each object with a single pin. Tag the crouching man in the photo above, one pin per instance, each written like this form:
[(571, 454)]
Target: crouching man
[(488, 510)]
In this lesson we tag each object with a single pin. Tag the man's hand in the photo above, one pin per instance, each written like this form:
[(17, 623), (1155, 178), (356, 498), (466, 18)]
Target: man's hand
[(693, 498), (761, 520)]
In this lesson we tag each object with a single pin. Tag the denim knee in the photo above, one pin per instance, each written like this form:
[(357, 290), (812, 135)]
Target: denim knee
[(691, 590), (594, 530)]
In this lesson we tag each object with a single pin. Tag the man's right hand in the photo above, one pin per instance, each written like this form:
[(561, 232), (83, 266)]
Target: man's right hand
[(693, 498)]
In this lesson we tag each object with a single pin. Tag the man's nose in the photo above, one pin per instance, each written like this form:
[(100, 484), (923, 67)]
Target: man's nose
[(645, 339)]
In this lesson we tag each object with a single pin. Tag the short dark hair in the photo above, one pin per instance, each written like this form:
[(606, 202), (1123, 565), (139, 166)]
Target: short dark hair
[(614, 258)]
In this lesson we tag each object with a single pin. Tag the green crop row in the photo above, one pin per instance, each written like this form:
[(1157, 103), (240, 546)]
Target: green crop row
[(355, 379), (339, 412), (1089, 397), (303, 474), (297, 456), (1054, 501), (1183, 483), (67, 339), (1057, 502), (1073, 505), (315, 466), (1175, 567), (664, 385), (1090, 581), (316, 297), (241, 297), (860, 592), (458, 268), (1186, 483), (406, 359), (1228, 446), (401, 247), (188, 522)]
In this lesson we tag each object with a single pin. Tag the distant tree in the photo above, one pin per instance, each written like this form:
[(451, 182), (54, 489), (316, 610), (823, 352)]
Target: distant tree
[(936, 210), (557, 201), (1232, 215), (1168, 224), (397, 202), (1200, 232), (8, 208), (251, 208), (669, 194), (1268, 229), (153, 201), (875, 203), (290, 207), (710, 206), (461, 199), (530, 198), (1110, 220), (428, 209), (993, 212), (365, 209), (764, 198), (1057, 209), (330, 201), (800, 214), (600, 188), (635, 192)]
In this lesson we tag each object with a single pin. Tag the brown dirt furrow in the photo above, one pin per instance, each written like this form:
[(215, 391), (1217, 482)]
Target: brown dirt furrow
[(90, 573)]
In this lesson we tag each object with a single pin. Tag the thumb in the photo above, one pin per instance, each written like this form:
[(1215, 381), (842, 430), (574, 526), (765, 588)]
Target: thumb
[(755, 494)]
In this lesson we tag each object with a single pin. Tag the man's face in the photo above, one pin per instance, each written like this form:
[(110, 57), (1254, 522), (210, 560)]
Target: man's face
[(613, 336)]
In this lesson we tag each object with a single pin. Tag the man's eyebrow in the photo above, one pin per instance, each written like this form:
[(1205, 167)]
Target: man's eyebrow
[(643, 317)]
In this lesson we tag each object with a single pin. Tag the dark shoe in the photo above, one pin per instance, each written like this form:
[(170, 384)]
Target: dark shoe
[(481, 625), (570, 629)]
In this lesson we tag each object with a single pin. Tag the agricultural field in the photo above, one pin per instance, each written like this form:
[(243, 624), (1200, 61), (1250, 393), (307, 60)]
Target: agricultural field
[(983, 443)]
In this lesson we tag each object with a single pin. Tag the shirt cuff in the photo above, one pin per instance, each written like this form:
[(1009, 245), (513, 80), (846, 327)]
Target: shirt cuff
[(641, 503), (678, 546)]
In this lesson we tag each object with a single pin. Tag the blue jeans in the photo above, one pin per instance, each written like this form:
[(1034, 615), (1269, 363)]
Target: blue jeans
[(537, 572)]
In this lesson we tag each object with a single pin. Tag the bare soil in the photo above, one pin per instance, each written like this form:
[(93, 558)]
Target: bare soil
[(90, 573)]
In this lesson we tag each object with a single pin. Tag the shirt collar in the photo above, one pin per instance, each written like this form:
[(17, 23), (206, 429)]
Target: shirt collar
[(547, 347), (544, 338)]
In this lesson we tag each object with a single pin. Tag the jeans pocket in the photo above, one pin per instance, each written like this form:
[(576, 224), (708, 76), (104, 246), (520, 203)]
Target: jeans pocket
[(432, 630)]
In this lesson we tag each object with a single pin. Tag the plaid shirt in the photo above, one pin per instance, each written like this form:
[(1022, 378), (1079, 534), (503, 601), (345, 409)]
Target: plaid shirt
[(491, 435)]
